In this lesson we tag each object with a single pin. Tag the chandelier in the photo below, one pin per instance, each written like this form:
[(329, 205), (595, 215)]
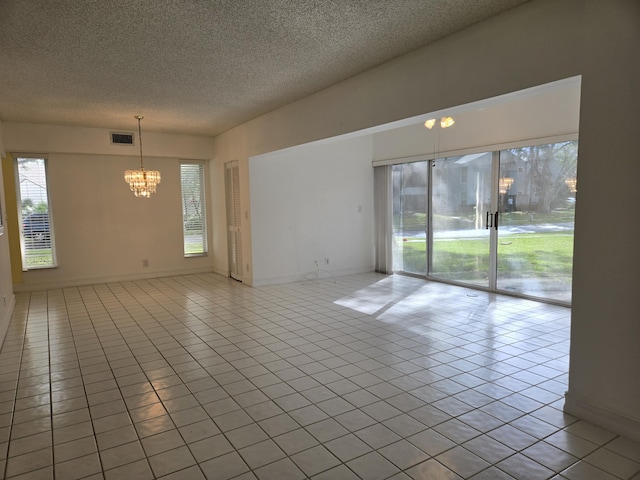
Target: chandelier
[(572, 183), (142, 182)]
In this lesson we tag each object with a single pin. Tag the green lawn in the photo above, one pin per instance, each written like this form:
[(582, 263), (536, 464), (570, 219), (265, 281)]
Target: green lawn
[(519, 256), (38, 257), (193, 248)]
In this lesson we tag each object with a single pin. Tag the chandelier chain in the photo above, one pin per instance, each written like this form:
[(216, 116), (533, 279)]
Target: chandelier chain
[(140, 117)]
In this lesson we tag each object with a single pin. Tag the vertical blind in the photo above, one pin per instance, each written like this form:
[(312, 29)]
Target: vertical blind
[(383, 218)]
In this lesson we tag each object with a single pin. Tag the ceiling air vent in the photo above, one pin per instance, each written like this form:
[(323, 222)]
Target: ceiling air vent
[(122, 138)]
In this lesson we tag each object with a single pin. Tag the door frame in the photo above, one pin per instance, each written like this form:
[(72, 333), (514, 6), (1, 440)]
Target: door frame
[(234, 219)]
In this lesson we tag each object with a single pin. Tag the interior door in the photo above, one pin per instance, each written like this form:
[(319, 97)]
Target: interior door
[(234, 219), (461, 211)]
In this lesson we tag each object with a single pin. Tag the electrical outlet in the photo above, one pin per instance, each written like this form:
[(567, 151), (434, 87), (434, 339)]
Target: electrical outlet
[(145, 263), (326, 261)]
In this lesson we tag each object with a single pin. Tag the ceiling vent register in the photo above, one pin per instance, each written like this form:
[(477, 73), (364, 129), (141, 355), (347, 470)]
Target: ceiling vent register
[(121, 138)]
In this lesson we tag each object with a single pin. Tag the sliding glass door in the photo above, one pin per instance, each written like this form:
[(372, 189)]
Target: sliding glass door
[(499, 220), (410, 203), (536, 207), (460, 199)]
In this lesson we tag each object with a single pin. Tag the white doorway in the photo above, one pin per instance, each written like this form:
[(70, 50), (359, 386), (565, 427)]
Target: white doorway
[(234, 218)]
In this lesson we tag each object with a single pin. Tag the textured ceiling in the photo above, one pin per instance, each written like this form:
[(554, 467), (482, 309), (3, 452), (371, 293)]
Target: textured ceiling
[(196, 66)]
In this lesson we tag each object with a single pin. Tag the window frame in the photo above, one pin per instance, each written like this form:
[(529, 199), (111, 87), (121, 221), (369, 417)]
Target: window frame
[(202, 207), (19, 212)]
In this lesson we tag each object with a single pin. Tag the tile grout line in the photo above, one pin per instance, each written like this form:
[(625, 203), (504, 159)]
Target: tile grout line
[(286, 334), (17, 380)]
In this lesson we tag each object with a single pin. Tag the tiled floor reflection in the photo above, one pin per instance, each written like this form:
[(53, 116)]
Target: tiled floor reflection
[(367, 377)]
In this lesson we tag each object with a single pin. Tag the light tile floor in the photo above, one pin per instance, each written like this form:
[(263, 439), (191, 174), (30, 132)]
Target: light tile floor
[(367, 376)]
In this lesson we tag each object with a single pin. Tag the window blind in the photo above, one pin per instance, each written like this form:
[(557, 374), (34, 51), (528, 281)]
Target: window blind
[(193, 209), (36, 227)]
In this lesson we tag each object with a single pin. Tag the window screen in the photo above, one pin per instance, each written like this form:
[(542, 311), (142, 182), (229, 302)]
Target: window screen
[(35, 214), (193, 209)]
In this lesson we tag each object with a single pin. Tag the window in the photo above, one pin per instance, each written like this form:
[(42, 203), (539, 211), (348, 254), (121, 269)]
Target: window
[(36, 227), (194, 226)]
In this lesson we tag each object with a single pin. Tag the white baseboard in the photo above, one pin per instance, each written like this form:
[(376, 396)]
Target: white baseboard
[(8, 311), (80, 281), (321, 274), (613, 421), (221, 271)]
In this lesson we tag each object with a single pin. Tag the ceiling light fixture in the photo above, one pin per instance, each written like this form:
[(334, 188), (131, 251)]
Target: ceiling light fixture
[(504, 184), (142, 182), (445, 122), (430, 123)]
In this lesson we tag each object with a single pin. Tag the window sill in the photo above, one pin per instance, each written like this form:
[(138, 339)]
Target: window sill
[(192, 255), (44, 267)]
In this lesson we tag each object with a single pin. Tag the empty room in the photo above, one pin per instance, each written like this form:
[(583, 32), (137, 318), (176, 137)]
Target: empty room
[(327, 240)]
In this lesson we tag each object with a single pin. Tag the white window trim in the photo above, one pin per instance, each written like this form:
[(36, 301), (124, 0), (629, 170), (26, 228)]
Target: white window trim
[(531, 142), (54, 259), (205, 234)]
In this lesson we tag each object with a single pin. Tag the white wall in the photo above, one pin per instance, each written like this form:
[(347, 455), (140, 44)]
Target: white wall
[(102, 231), (39, 138), (7, 298), (545, 111), (604, 376), (2, 152), (539, 42), (310, 203)]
